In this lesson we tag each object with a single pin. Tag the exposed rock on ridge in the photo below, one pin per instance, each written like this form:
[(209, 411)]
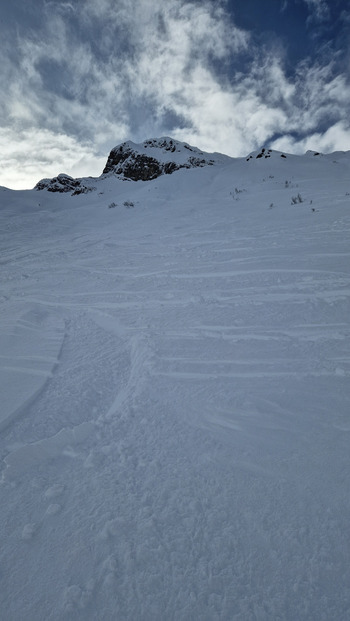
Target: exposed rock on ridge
[(63, 183), (153, 158)]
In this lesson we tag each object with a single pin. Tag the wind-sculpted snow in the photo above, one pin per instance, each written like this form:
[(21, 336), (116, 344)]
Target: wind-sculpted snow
[(179, 372)]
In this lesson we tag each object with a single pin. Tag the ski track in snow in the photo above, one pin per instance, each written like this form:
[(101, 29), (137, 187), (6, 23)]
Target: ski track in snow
[(175, 415)]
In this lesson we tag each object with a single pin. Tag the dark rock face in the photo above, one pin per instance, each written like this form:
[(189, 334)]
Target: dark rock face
[(63, 183), (140, 166), (124, 161)]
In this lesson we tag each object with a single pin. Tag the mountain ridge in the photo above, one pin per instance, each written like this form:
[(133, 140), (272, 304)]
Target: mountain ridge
[(153, 158)]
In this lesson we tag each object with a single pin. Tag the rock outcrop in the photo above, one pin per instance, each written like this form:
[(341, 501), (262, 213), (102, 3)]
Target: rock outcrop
[(149, 160), (63, 183)]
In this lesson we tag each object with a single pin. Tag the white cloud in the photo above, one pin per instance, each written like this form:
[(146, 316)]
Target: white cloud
[(335, 138)]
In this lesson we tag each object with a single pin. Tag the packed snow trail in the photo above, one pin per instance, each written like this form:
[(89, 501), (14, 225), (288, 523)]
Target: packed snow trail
[(186, 455)]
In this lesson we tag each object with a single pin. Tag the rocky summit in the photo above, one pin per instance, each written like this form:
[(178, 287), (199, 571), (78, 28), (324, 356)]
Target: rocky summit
[(152, 158)]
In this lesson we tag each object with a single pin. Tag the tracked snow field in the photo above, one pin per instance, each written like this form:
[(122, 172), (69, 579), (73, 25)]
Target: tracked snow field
[(175, 399)]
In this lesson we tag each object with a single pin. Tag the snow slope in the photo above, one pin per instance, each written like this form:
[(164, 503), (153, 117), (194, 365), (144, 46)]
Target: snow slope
[(175, 396)]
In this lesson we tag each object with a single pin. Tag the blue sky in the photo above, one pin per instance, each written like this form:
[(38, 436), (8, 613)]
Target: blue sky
[(80, 76)]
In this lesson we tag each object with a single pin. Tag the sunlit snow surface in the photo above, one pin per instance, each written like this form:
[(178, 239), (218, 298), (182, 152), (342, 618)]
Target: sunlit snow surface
[(175, 397)]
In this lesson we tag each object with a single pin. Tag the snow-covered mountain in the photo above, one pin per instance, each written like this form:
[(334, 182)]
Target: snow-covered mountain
[(143, 162), (175, 394)]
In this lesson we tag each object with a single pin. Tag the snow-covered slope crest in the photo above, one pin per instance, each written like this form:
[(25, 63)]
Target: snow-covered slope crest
[(156, 157)]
